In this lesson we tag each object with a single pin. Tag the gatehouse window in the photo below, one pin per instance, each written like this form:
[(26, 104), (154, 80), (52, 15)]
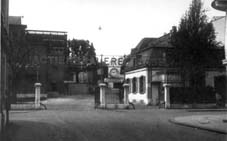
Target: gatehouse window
[(128, 81), (134, 85), (142, 84)]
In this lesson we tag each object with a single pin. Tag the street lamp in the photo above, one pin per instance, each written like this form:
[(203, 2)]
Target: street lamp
[(222, 6)]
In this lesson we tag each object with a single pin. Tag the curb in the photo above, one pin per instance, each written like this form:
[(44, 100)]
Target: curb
[(115, 106), (197, 127), (207, 110), (15, 107)]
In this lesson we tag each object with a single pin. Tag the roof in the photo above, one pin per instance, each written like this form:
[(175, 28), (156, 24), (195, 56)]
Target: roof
[(163, 41), (147, 43), (215, 18), (46, 32), (16, 20), (143, 44)]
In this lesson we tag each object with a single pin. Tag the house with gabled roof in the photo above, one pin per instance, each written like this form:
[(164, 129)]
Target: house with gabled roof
[(146, 71), (153, 81)]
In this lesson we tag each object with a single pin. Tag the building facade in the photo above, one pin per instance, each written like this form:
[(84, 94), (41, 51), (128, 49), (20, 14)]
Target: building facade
[(153, 81), (43, 58), (148, 73), (47, 59)]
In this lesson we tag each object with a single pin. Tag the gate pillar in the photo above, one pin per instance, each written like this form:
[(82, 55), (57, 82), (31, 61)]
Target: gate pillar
[(102, 94), (37, 94), (166, 95), (126, 92)]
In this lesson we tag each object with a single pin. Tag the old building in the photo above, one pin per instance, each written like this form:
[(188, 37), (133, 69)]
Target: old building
[(47, 59), (42, 58), (148, 73), (153, 81)]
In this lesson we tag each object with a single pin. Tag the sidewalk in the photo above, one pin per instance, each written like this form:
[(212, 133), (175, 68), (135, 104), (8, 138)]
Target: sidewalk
[(26, 106), (214, 123)]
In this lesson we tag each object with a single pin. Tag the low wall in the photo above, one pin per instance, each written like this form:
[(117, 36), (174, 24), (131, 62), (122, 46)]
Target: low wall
[(76, 89), (29, 97), (190, 106)]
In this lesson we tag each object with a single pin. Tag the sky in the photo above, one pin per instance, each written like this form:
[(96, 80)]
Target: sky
[(113, 26)]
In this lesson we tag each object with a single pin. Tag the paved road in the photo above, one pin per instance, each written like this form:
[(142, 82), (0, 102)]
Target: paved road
[(75, 119)]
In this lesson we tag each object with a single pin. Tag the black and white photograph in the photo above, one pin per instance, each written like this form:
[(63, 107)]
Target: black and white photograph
[(113, 70)]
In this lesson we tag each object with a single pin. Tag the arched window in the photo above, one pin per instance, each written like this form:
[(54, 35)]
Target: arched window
[(134, 85), (142, 84)]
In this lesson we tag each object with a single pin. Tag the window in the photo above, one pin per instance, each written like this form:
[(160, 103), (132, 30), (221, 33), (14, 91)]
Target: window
[(127, 81), (134, 85), (142, 84)]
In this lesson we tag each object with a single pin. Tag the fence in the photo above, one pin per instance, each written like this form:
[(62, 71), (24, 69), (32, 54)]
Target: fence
[(114, 96), (106, 96)]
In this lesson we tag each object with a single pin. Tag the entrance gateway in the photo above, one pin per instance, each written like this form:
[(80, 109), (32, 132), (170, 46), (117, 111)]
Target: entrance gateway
[(112, 93)]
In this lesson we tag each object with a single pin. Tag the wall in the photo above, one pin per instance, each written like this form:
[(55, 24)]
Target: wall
[(137, 97), (48, 53), (78, 89), (210, 75)]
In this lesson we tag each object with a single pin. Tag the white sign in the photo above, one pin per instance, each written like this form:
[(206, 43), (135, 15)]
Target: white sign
[(114, 64), (111, 60)]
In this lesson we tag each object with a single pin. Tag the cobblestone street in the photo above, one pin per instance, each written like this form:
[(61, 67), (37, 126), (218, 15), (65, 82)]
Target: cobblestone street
[(74, 118)]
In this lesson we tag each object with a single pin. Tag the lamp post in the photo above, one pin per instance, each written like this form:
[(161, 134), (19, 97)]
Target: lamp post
[(102, 71), (222, 6)]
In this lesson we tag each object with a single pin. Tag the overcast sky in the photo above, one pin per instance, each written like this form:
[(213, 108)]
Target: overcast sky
[(123, 22)]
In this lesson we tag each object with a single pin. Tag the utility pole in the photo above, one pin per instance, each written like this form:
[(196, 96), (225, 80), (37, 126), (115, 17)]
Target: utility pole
[(102, 71), (222, 6), (1, 96)]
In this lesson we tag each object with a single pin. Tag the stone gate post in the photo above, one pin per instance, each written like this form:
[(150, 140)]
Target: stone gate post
[(166, 95), (126, 92), (37, 94), (102, 94)]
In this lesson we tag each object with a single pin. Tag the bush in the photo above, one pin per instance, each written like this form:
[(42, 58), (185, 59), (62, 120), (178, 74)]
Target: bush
[(181, 95)]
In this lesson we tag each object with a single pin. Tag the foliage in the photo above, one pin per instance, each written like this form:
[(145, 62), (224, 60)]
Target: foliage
[(181, 95), (18, 51), (194, 42), (82, 52)]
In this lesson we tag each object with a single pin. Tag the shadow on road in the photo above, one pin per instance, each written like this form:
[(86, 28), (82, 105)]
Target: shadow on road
[(36, 131)]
